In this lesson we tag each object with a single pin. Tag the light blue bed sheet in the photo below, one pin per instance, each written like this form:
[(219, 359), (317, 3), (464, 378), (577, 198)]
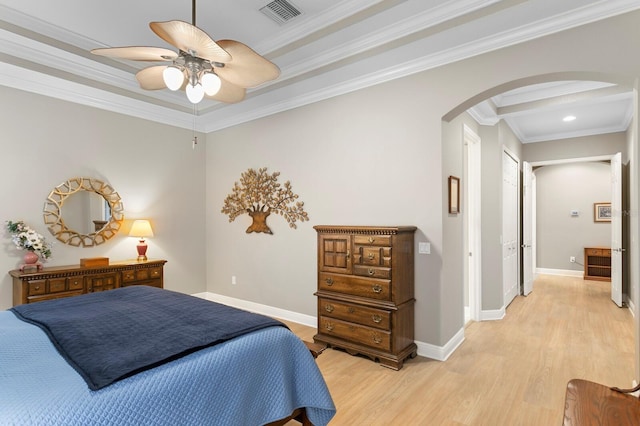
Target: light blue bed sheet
[(251, 380)]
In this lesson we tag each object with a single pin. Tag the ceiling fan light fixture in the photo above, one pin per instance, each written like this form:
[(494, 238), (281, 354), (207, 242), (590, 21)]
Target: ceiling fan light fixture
[(211, 83), (195, 93), (192, 67), (173, 77)]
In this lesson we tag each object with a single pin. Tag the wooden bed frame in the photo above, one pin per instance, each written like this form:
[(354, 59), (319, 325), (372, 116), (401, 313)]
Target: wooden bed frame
[(300, 414)]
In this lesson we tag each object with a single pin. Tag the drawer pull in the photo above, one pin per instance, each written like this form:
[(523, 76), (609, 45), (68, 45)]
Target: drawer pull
[(376, 318), (371, 271), (37, 287), (377, 288), (328, 308), (351, 310), (371, 240), (348, 254), (329, 281), (372, 256), (377, 339), (329, 326)]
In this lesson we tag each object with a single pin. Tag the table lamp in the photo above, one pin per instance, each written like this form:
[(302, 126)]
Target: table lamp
[(141, 229)]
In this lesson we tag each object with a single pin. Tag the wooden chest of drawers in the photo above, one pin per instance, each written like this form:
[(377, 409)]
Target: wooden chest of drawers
[(366, 291), (597, 263), (67, 281)]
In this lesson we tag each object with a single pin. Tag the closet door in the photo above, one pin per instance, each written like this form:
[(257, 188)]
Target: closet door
[(509, 226), (527, 229), (616, 229)]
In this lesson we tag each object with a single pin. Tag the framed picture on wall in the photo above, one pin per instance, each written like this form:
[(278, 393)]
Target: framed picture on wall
[(454, 195), (602, 212)]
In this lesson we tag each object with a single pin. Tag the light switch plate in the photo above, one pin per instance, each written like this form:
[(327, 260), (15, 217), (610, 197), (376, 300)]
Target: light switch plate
[(424, 248)]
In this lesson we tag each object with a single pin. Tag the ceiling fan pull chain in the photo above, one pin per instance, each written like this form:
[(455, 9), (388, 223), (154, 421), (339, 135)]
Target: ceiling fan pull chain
[(194, 141)]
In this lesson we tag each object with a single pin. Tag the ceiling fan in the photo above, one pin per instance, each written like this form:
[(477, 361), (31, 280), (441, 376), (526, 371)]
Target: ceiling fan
[(219, 70)]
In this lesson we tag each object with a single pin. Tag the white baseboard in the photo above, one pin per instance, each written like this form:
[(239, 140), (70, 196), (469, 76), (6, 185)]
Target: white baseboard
[(630, 305), (258, 308), (562, 272), (495, 315), (439, 353)]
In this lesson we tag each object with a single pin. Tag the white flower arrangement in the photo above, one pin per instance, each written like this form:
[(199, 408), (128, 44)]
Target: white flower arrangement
[(26, 238)]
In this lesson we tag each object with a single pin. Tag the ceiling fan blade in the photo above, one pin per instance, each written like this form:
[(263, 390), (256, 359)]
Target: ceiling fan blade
[(246, 68), (190, 39), (229, 93), (150, 78), (137, 53)]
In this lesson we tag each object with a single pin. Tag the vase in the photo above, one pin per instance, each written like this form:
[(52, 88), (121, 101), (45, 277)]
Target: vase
[(30, 258), (31, 262)]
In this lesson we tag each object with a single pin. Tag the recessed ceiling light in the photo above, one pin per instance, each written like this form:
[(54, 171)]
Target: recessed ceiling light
[(569, 118)]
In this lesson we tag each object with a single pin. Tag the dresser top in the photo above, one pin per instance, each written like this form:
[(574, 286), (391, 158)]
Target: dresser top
[(120, 264), (346, 229)]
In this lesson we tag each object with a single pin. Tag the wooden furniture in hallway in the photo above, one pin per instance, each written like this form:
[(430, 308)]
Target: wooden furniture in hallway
[(597, 263)]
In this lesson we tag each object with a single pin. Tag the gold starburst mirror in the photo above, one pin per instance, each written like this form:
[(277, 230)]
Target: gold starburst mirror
[(83, 212)]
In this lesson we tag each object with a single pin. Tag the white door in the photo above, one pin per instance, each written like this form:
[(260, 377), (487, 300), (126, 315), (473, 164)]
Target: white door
[(510, 221), (473, 224), (527, 229), (616, 229)]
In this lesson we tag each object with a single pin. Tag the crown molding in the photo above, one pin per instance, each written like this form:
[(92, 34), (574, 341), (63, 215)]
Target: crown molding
[(622, 127), (484, 113), (327, 85), (47, 85)]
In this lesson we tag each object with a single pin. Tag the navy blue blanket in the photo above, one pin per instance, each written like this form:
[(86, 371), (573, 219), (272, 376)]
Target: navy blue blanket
[(110, 335)]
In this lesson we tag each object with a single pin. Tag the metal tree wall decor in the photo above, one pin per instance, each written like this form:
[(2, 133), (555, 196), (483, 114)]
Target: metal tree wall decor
[(259, 194)]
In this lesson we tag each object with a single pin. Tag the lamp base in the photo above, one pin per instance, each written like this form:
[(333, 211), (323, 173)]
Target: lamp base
[(142, 251)]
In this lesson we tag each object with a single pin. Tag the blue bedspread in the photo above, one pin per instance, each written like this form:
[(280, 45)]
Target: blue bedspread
[(110, 335), (250, 380)]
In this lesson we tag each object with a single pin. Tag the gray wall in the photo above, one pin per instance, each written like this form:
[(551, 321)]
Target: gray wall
[(158, 176), (454, 225), (376, 156), (561, 189), (494, 140)]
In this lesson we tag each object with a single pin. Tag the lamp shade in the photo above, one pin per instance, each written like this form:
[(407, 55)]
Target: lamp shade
[(141, 228), (211, 83), (195, 93), (173, 77)]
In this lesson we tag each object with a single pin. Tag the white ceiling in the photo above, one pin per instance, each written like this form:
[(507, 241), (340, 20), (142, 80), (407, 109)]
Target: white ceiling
[(333, 47)]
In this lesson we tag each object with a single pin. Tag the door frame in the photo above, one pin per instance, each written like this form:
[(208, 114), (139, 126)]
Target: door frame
[(472, 223), (568, 161)]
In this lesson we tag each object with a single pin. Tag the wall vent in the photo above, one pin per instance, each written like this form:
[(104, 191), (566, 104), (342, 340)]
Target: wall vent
[(281, 11)]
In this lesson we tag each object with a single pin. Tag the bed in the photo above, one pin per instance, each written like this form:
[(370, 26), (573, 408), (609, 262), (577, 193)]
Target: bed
[(261, 376)]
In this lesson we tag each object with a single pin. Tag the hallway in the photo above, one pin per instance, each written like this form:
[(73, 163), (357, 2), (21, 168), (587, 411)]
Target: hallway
[(508, 372)]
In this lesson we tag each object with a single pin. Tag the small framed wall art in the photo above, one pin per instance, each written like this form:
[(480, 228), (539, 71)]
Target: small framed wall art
[(454, 195), (602, 212)]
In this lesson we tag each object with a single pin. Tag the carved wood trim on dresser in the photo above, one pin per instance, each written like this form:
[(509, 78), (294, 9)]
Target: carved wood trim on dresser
[(366, 291), (66, 281)]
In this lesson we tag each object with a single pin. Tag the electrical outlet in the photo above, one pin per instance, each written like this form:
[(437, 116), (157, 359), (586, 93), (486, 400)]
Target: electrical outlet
[(233, 280), (572, 259), (424, 248)]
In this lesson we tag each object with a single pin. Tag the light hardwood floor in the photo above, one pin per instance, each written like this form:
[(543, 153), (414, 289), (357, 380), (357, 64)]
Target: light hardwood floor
[(508, 372)]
